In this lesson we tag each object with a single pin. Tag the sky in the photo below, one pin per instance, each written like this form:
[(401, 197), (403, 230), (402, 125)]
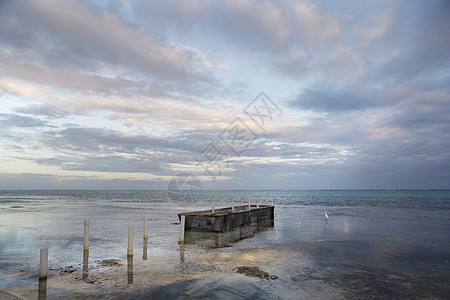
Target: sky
[(229, 94)]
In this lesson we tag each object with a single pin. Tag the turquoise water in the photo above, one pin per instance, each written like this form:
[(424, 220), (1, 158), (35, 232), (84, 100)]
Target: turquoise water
[(381, 244)]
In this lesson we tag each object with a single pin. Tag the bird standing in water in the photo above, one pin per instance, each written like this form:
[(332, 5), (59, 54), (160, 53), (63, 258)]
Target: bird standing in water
[(326, 216)]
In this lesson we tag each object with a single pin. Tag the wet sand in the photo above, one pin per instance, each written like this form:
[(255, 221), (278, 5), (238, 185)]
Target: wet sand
[(199, 274)]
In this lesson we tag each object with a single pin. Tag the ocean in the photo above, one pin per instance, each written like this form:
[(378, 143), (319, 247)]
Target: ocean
[(375, 244)]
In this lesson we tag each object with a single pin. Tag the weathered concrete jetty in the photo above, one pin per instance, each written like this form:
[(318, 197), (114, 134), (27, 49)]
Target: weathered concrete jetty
[(223, 219)]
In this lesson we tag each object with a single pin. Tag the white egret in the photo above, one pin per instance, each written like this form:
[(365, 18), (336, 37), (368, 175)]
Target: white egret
[(326, 216)]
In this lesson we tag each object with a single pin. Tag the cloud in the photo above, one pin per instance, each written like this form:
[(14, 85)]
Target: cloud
[(260, 21), (68, 29), (70, 48), (105, 141), (265, 26), (42, 110), (186, 12), (314, 21), (323, 99), (15, 120), (60, 78), (79, 182), (107, 164), (422, 51)]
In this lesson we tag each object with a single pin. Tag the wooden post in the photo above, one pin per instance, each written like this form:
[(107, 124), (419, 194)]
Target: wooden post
[(43, 263), (145, 227), (182, 224), (86, 235), (130, 240)]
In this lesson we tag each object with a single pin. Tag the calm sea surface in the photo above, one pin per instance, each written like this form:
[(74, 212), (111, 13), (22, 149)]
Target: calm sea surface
[(380, 244)]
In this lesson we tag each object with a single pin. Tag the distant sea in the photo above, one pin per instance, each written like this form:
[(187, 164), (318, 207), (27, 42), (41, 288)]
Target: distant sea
[(375, 244)]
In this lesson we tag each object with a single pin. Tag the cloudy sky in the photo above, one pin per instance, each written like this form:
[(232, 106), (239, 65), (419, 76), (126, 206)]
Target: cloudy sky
[(112, 95)]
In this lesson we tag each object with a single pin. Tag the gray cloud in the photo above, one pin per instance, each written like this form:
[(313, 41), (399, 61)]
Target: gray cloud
[(323, 99), (385, 68), (65, 28), (49, 182), (42, 110), (96, 139), (95, 149), (15, 120), (112, 163), (66, 45)]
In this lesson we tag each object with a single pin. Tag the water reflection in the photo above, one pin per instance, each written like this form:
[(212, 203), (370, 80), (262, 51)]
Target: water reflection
[(85, 264), (227, 238), (325, 227), (144, 255), (181, 254), (130, 269), (42, 289)]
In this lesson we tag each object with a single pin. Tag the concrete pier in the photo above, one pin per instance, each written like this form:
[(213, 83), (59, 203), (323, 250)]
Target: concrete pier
[(223, 219)]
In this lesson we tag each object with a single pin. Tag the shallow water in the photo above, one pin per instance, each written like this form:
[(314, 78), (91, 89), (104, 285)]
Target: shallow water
[(388, 244)]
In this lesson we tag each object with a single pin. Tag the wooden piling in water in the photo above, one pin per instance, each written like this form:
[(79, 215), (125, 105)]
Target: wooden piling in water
[(86, 235), (43, 263), (130, 240), (182, 224)]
